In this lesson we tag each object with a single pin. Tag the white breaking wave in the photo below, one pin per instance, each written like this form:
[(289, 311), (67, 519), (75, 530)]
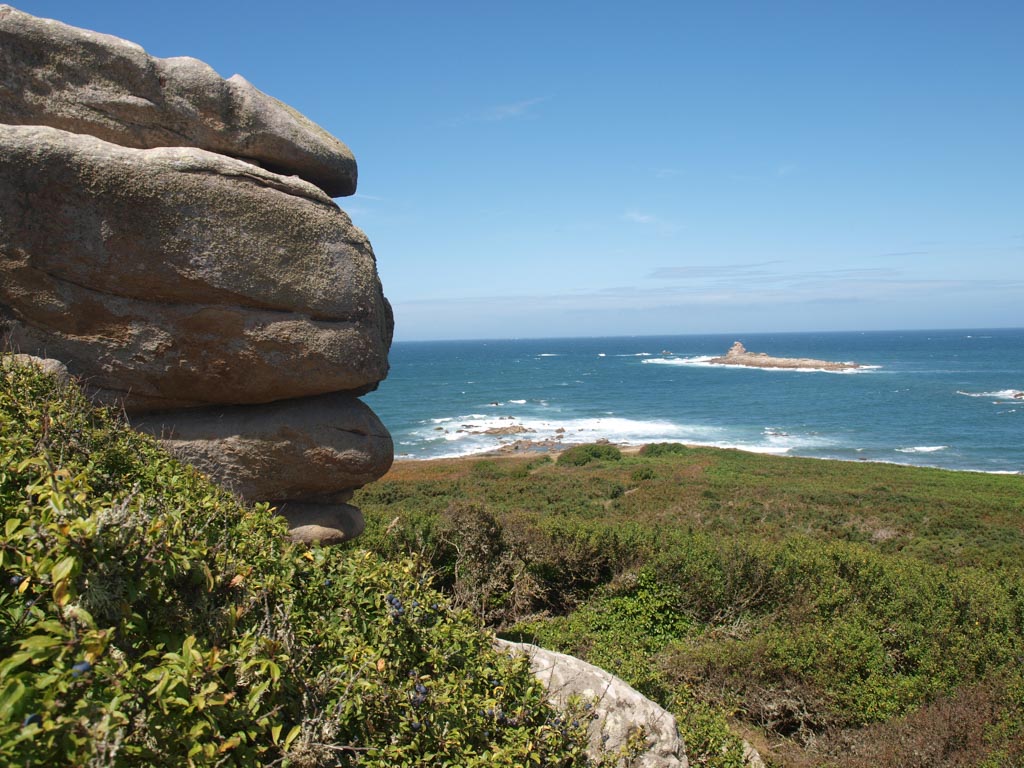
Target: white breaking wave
[(923, 449), (549, 354), (701, 360), (518, 402), (1006, 394), (704, 361), (475, 433)]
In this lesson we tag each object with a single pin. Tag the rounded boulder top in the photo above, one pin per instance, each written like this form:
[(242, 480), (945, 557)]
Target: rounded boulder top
[(85, 82)]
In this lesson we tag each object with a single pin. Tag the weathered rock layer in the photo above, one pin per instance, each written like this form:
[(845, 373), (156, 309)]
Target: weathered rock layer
[(103, 86), (307, 449), (170, 237), (181, 277)]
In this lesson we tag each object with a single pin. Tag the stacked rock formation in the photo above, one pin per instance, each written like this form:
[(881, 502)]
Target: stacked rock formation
[(170, 236)]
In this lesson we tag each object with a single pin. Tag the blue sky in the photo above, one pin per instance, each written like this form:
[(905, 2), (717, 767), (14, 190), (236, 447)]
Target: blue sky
[(574, 168)]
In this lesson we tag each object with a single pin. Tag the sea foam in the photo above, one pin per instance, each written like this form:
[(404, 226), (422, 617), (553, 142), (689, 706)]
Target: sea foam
[(704, 361), (1006, 394), (475, 433)]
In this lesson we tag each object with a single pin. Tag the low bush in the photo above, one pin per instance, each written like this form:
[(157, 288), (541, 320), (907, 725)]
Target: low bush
[(147, 618), (815, 603), (580, 455), (656, 450)]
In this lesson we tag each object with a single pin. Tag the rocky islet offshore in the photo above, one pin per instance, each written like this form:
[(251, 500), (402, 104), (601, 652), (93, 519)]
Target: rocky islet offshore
[(738, 355), (170, 236)]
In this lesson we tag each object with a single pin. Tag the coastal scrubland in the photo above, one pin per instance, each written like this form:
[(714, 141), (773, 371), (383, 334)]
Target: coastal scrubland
[(148, 618), (831, 613)]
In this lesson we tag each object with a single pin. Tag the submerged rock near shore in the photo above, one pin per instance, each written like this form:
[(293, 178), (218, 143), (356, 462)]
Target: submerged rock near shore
[(170, 237), (738, 355)]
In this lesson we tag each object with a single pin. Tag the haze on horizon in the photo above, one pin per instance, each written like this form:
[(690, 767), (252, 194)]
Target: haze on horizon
[(592, 168)]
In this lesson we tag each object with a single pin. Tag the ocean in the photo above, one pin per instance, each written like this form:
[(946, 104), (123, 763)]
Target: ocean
[(927, 398)]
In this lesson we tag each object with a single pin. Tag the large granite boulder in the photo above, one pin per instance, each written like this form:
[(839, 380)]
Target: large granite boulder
[(177, 276), (170, 237), (621, 711), (85, 82), (308, 449)]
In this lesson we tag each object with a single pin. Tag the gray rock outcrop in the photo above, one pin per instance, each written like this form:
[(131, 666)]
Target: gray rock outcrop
[(308, 449), (170, 237), (322, 523), (621, 710), (103, 86), (176, 276)]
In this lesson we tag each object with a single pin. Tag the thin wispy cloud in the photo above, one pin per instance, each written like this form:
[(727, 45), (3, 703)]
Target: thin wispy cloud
[(516, 110), (640, 218), (658, 224), (667, 173), (755, 269), (512, 111), (962, 249), (860, 290), (903, 254), (764, 174), (356, 211), (732, 301)]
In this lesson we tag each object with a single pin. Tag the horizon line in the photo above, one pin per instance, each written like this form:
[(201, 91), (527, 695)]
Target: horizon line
[(713, 333)]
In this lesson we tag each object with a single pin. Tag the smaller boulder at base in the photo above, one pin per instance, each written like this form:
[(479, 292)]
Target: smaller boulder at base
[(323, 524)]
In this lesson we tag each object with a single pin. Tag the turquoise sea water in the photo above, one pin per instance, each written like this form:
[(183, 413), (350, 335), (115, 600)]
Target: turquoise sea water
[(930, 398)]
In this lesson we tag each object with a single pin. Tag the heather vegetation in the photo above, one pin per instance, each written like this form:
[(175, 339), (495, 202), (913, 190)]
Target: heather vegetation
[(147, 618), (846, 615), (833, 614)]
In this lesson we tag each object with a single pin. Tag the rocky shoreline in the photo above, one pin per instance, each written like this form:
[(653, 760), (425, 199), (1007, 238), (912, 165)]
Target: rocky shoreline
[(738, 355)]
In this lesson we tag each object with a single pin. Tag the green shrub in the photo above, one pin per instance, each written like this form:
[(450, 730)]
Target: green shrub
[(579, 455), (655, 450), (147, 618), (643, 473)]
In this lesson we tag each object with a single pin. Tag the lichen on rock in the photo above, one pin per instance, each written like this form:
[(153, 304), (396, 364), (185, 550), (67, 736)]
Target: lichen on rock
[(169, 236)]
